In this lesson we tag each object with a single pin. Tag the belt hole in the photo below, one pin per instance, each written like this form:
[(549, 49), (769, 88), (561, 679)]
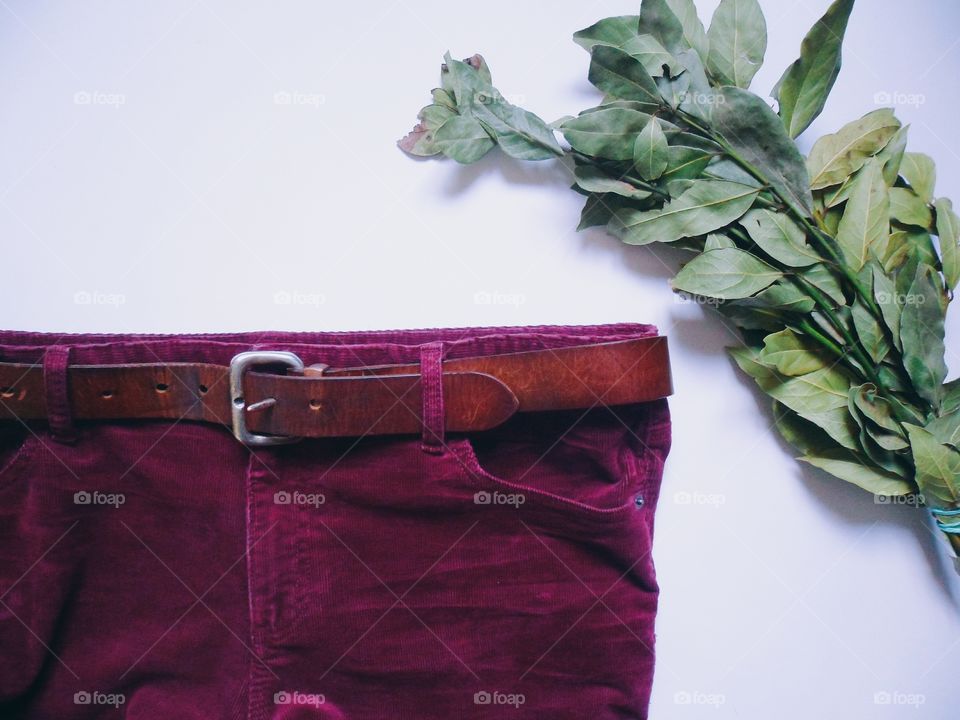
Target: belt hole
[(316, 404), (162, 387), (203, 389), (106, 394)]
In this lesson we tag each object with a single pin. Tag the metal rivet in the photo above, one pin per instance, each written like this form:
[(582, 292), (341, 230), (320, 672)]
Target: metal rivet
[(638, 501)]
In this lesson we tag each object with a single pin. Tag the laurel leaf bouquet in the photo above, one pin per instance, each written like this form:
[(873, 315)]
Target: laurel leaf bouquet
[(837, 267)]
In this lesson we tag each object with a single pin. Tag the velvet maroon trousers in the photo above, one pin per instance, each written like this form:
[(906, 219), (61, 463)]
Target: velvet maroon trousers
[(159, 569)]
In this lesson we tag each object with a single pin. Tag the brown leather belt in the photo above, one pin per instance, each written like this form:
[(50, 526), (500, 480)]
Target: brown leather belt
[(265, 408)]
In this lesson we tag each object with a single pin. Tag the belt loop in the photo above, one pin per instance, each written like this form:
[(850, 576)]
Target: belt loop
[(431, 388), (56, 359)]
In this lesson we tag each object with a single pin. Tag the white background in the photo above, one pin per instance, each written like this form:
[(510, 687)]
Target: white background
[(183, 197)]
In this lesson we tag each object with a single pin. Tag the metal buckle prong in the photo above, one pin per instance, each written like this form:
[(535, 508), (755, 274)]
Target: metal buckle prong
[(238, 403)]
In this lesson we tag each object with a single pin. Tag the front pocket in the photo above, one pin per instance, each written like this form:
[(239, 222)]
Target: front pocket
[(18, 446), (518, 493), (590, 465)]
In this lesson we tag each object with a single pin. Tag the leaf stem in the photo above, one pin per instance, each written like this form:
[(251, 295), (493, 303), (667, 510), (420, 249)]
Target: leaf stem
[(635, 181), (865, 362)]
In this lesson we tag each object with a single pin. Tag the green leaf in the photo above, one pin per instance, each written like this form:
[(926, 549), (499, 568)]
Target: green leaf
[(609, 133), (938, 468), (707, 206), (621, 75), (676, 188), (680, 138), (907, 248), (948, 230), (520, 134), (780, 237), (802, 434), (611, 102), (865, 225), (744, 314), (920, 171), (824, 280), (674, 90), (803, 90), (785, 297), (748, 361), (836, 157), (725, 273), (755, 133), (892, 155), (595, 180), (651, 53), (650, 151), (838, 424), (658, 19), (598, 209), (463, 139), (700, 96), (609, 31), (816, 392), (885, 294), (946, 429), (738, 41), (851, 468), (951, 396), (715, 241), (693, 32), (419, 141), (838, 194), (921, 336), (769, 308), (871, 335), (462, 81), (433, 116), (820, 398), (686, 162), (727, 169), (790, 353), (442, 97), (908, 209), (876, 412)]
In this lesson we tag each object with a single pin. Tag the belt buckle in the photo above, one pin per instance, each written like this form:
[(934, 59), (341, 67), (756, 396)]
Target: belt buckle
[(238, 403)]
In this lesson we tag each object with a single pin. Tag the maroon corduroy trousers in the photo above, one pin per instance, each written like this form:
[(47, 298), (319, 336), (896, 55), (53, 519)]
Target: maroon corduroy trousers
[(160, 569)]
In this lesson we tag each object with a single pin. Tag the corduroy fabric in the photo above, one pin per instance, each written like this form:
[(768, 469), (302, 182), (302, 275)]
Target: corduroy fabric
[(163, 570)]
